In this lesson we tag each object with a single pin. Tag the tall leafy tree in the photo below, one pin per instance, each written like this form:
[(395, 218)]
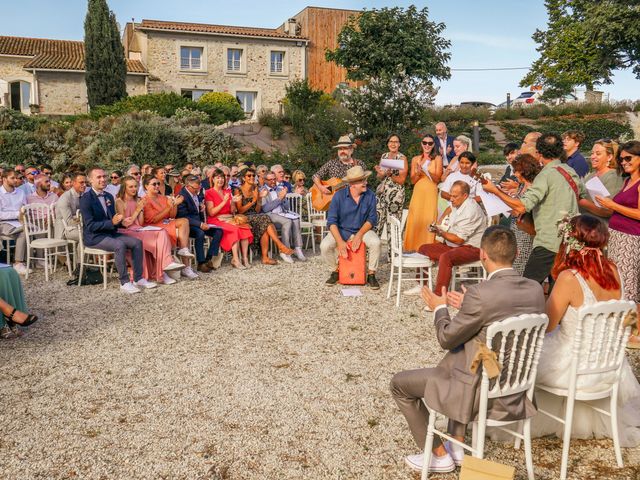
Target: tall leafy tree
[(584, 43), (105, 65)]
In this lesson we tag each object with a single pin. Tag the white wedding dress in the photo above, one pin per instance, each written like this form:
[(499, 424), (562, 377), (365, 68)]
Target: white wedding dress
[(554, 369)]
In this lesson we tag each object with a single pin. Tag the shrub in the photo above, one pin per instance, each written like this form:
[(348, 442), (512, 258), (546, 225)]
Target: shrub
[(164, 104), (206, 145), (451, 114), (187, 117), (273, 121), (222, 107), (14, 120), (19, 146)]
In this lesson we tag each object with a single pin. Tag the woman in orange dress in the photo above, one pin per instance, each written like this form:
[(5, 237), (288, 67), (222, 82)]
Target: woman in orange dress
[(157, 245), (423, 208), (219, 211), (160, 211)]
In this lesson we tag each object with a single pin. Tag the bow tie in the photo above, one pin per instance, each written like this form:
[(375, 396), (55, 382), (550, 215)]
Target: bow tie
[(100, 194)]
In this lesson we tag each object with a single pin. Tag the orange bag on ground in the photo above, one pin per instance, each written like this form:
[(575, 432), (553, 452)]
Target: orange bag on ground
[(352, 270)]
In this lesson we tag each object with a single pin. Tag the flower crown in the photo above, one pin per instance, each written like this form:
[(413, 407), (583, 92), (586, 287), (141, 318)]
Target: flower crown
[(565, 231)]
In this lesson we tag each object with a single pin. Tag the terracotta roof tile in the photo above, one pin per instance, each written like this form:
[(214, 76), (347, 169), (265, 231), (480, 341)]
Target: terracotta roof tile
[(53, 54), (216, 29)]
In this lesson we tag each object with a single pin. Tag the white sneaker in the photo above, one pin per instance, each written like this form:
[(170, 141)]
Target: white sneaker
[(21, 268), (442, 464), (456, 452), (185, 252), (286, 258), (144, 283), (417, 290), (189, 273), (129, 287), (299, 255), (174, 266), (167, 280)]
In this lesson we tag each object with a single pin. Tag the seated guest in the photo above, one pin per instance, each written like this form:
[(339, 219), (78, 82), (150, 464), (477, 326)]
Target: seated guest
[(467, 222), (114, 185), (250, 204), (180, 182), (280, 177), (47, 170), (451, 388), (261, 171), (28, 187), (66, 208), (287, 175), (352, 217), (192, 209), (220, 212), (160, 211), (234, 181), (65, 184), (43, 193), (156, 243), (584, 276), (466, 162), (161, 175), (101, 224), (14, 318), (276, 205), (11, 201), (571, 141), (298, 177)]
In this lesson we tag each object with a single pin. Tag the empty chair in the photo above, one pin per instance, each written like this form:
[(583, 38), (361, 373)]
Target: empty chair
[(468, 272), (317, 218), (296, 203)]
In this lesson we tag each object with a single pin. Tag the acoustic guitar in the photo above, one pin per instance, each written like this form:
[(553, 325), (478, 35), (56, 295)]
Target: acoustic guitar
[(319, 200)]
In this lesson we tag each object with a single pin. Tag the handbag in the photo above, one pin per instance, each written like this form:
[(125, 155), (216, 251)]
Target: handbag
[(239, 219), (479, 469), (525, 223)]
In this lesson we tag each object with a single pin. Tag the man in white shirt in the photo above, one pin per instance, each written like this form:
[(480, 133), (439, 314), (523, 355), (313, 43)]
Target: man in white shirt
[(11, 201), (467, 222)]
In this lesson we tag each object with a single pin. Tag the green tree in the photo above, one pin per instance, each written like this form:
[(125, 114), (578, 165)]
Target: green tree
[(105, 65), (585, 42)]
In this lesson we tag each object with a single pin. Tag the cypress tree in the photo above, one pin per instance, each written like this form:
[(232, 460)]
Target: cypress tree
[(105, 65)]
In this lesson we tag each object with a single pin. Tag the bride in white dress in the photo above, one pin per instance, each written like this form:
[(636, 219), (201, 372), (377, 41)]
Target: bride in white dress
[(584, 276)]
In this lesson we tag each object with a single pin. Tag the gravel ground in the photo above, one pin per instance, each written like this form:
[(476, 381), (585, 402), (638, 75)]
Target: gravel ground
[(263, 374)]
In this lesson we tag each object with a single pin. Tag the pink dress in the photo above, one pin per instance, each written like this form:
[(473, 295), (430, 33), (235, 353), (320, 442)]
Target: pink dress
[(230, 233), (156, 244)]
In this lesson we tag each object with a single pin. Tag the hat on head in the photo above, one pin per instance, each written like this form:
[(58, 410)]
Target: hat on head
[(355, 174), (344, 141)]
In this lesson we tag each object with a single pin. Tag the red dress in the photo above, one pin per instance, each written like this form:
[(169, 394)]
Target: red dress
[(230, 233)]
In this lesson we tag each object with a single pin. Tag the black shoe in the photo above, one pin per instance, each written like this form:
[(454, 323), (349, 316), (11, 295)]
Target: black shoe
[(333, 279), (372, 282)]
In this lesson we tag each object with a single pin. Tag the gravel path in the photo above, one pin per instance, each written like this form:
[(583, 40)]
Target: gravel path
[(265, 374)]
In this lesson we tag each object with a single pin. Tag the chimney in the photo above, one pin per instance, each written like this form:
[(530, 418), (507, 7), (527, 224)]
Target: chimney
[(291, 27)]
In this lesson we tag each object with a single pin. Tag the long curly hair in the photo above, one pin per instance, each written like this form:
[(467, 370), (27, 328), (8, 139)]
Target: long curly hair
[(589, 260)]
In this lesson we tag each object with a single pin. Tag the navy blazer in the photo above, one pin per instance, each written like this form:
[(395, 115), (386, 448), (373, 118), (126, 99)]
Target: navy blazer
[(451, 154), (97, 224), (189, 210)]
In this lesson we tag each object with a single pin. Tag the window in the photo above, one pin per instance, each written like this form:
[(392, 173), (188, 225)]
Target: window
[(191, 58), (194, 94), (19, 95), (234, 60), (247, 101), (277, 62)]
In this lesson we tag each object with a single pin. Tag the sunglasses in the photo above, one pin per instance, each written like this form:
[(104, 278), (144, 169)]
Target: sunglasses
[(114, 177), (250, 175), (427, 143), (33, 172), (18, 171), (134, 174), (155, 184), (301, 179), (626, 159)]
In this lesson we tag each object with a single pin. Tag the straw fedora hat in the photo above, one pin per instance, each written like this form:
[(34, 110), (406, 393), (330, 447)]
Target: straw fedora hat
[(355, 174), (344, 141)]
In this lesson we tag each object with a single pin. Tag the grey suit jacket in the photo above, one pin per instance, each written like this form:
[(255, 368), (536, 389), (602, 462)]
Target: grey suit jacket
[(451, 388), (65, 208)]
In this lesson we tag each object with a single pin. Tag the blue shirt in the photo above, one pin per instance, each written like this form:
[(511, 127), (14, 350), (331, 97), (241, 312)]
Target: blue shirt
[(350, 216), (578, 163)]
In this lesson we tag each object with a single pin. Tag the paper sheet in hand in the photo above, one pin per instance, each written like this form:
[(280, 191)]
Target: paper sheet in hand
[(149, 228), (13, 223), (351, 292), (289, 215), (492, 203), (392, 164), (596, 187), (214, 226)]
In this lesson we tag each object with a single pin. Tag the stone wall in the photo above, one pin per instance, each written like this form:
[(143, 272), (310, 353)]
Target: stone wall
[(11, 70), (163, 63)]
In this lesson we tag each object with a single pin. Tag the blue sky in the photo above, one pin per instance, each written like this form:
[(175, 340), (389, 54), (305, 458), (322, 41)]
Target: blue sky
[(484, 34)]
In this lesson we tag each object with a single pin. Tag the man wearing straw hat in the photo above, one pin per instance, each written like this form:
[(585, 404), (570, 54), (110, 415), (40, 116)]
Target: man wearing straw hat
[(337, 167), (352, 216)]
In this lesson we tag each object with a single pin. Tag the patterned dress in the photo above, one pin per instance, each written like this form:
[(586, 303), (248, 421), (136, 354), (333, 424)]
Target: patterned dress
[(259, 221), (390, 199), (523, 240)]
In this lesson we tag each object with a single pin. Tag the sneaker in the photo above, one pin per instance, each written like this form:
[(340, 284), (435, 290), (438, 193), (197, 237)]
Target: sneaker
[(286, 258), (129, 287), (144, 283), (21, 268), (456, 452), (174, 266), (189, 273), (372, 282), (333, 279), (442, 464), (204, 267), (417, 290), (299, 255), (167, 280), (185, 252)]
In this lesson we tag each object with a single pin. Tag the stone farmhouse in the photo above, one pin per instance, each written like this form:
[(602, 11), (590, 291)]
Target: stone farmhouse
[(253, 64)]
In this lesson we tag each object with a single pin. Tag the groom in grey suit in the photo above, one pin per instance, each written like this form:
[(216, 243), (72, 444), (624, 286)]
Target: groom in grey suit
[(450, 388)]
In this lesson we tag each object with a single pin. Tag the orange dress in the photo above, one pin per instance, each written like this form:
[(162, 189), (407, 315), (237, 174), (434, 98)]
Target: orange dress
[(152, 208), (423, 211)]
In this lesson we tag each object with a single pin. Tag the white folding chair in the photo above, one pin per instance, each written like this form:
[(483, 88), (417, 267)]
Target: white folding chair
[(599, 344), (317, 218), (101, 257), (306, 227), (517, 342), (468, 272), (6, 241), (400, 261), (37, 219)]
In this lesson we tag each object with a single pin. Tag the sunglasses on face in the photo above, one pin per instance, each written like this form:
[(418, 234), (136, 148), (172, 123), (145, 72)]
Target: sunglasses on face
[(425, 142), (114, 177), (19, 171), (135, 174), (626, 159), (155, 184), (250, 175), (33, 172)]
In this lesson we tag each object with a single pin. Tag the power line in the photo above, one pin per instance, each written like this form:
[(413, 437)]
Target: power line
[(487, 69)]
